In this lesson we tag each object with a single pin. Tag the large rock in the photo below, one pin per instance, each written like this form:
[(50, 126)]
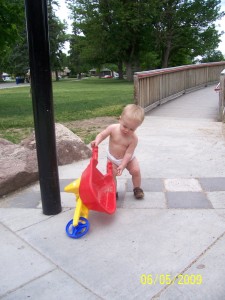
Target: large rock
[(18, 167), (69, 146), (18, 163)]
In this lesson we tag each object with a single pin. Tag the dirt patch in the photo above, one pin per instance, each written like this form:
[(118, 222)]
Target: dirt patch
[(88, 129), (85, 129)]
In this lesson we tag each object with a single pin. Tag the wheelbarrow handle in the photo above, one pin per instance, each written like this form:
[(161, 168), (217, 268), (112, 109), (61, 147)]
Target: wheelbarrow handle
[(95, 153), (109, 168)]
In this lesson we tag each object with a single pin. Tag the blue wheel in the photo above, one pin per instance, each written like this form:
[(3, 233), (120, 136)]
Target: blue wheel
[(78, 231)]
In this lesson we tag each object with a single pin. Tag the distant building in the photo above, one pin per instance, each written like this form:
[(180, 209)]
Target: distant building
[(93, 72), (103, 72)]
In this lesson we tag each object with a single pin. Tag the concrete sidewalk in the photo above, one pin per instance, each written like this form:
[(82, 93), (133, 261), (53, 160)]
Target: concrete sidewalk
[(9, 85), (168, 246)]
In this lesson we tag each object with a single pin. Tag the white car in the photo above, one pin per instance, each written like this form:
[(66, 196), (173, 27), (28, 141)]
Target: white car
[(7, 78)]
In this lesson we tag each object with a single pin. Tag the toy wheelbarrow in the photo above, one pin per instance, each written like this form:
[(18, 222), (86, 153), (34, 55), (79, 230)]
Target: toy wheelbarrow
[(94, 191)]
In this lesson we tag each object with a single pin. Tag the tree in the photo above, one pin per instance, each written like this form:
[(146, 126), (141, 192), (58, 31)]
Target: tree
[(57, 37), (79, 59), (187, 26), (145, 33), (11, 22), (87, 48), (17, 58), (212, 56), (14, 55), (113, 29)]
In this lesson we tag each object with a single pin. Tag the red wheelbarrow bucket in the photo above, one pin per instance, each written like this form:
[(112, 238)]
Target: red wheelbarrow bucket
[(98, 191)]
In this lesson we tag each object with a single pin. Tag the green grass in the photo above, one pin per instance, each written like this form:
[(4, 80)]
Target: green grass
[(73, 100)]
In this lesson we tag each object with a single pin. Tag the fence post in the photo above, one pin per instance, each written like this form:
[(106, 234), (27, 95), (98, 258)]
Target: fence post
[(42, 98), (222, 97), (136, 90)]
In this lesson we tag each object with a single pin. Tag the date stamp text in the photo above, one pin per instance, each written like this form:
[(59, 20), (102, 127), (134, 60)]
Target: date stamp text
[(167, 279)]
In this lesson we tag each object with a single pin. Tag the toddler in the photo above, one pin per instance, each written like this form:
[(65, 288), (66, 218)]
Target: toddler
[(122, 143)]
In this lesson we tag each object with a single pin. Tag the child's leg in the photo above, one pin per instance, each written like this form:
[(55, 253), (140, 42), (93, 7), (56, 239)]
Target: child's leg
[(134, 170)]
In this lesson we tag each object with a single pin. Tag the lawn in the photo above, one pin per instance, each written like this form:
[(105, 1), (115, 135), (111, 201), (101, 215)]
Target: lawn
[(73, 100)]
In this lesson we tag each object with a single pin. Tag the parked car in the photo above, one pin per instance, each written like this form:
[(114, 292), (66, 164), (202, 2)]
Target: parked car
[(7, 78), (107, 76)]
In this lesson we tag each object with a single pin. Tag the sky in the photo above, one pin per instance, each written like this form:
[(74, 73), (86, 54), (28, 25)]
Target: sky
[(63, 13)]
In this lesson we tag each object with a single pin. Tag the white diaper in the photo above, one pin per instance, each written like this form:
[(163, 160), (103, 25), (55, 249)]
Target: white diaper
[(115, 160)]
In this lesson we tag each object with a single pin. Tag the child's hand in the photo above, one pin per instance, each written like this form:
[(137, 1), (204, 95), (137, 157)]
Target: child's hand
[(119, 171), (93, 144)]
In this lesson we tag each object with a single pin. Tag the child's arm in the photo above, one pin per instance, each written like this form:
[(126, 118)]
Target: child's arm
[(101, 136)]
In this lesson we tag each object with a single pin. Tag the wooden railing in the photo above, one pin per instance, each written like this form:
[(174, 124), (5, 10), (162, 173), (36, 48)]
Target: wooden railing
[(153, 88), (221, 89)]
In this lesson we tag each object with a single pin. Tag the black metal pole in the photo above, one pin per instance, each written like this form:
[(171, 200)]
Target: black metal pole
[(42, 98)]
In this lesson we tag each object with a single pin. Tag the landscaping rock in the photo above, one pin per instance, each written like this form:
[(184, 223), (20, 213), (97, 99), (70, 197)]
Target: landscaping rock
[(69, 146), (18, 167), (18, 163)]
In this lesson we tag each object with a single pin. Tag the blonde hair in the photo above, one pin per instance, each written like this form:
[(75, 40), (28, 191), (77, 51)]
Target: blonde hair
[(134, 112)]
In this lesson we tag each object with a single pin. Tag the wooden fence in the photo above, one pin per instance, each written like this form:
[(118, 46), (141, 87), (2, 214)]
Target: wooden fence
[(153, 88), (221, 88)]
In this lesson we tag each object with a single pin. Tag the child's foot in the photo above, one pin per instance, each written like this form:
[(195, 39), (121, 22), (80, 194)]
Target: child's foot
[(138, 193)]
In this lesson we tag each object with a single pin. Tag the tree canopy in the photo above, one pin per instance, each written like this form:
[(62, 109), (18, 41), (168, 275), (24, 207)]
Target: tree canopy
[(130, 32), (14, 57), (57, 37), (186, 26), (11, 23)]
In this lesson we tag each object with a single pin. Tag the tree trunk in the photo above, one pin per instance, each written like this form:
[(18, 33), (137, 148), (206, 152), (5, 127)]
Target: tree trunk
[(129, 71), (166, 55), (56, 75), (120, 69)]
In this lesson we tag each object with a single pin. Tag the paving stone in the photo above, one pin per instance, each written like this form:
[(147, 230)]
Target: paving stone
[(151, 200), (210, 268), (25, 199), (19, 262), (68, 200), (217, 199), (121, 189), (182, 184), (213, 184), (17, 219), (148, 185), (187, 200), (64, 182), (56, 283)]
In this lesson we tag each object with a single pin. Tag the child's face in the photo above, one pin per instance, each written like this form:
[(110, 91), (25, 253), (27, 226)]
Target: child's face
[(128, 126)]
